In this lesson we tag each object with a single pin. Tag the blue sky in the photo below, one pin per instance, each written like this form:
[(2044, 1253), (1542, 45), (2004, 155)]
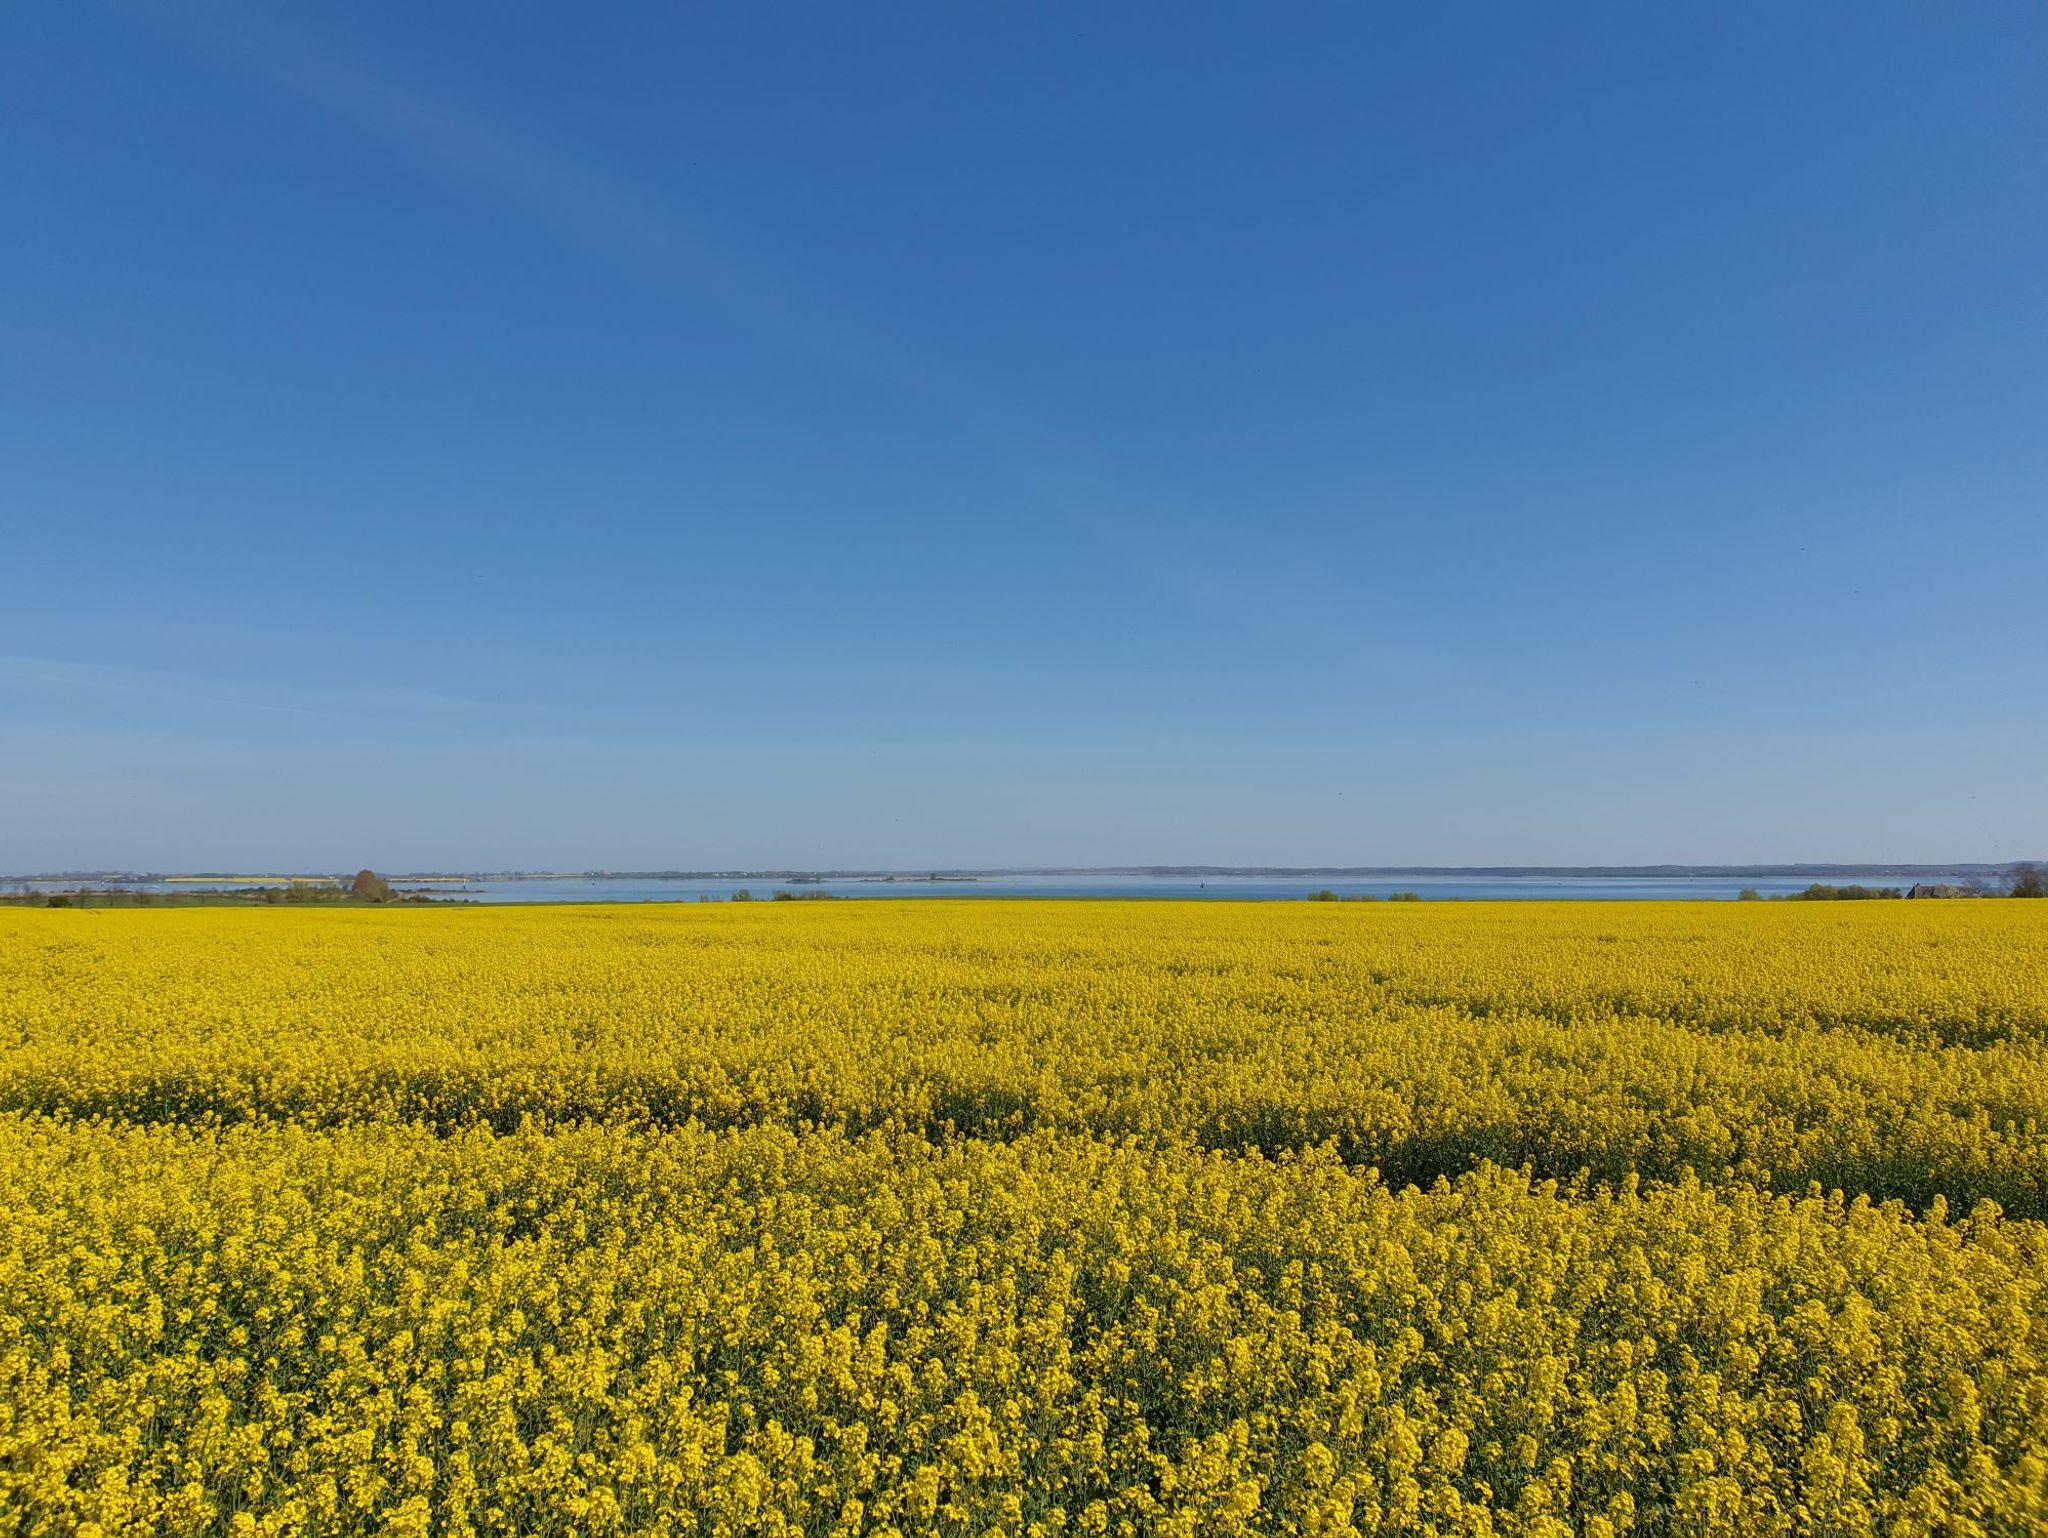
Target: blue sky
[(921, 435)]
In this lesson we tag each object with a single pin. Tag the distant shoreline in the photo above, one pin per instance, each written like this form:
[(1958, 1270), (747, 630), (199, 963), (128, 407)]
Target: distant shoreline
[(1157, 872)]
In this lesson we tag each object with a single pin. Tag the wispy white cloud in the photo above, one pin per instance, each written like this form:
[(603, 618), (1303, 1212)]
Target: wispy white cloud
[(633, 225), (586, 203), (62, 676)]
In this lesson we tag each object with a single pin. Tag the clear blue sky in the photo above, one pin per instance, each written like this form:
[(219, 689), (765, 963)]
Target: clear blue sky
[(898, 435)]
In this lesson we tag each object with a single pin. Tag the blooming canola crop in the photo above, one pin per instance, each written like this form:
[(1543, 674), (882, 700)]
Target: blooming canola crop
[(1026, 1218)]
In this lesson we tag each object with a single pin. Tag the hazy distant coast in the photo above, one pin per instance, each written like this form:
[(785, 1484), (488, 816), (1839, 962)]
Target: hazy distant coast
[(1504, 883), (1800, 869)]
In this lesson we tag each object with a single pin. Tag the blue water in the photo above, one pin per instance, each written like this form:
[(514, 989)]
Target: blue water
[(1258, 888), (1269, 888)]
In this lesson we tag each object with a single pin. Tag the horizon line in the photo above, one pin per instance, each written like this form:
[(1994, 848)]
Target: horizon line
[(763, 872)]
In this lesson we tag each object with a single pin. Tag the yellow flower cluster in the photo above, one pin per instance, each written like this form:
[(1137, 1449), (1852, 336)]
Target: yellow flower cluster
[(1876, 1048), (1026, 1219)]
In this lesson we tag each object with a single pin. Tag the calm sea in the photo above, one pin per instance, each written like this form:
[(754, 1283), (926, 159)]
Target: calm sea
[(610, 889), (1266, 888)]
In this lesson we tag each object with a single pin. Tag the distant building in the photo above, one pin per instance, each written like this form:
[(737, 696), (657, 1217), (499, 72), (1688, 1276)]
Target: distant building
[(1938, 889)]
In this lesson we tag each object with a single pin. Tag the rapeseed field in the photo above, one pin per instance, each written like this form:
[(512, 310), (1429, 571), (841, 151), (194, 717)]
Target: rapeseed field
[(985, 1217)]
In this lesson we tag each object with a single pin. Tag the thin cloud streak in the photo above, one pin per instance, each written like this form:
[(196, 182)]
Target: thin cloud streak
[(627, 223), (341, 705), (612, 216)]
